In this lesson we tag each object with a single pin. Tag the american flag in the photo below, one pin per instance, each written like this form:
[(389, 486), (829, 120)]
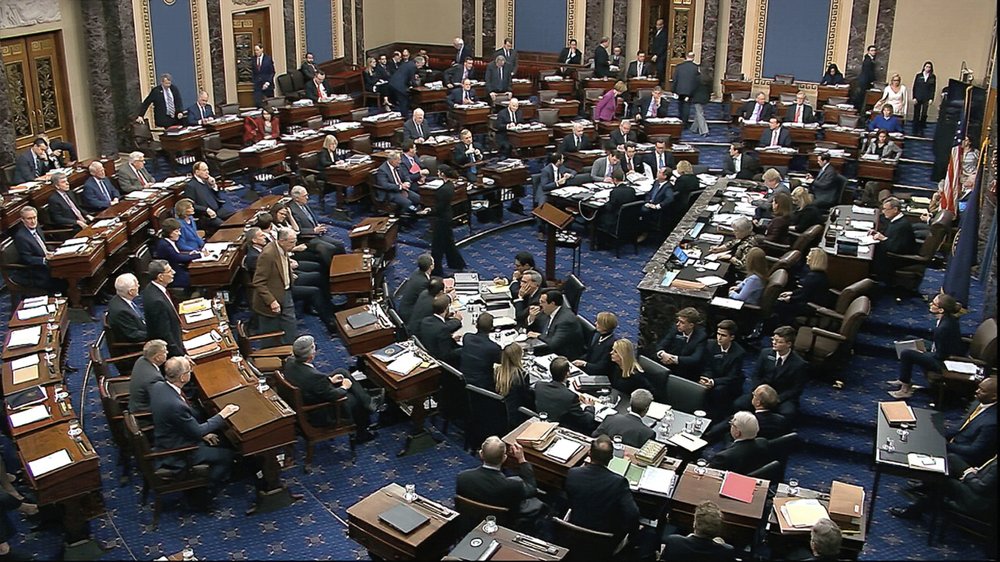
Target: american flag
[(951, 191)]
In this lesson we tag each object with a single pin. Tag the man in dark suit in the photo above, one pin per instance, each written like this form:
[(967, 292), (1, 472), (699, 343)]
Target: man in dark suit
[(575, 141), (621, 195), (437, 332), (200, 111), (657, 207), (623, 135), (976, 439), (416, 129), (652, 106), (168, 109), (317, 89), (824, 188), (468, 155), (553, 176), (557, 326), (488, 484), (319, 388), (394, 62), (570, 54), (602, 58), (414, 284), (632, 162), (781, 368), (498, 77), (770, 424), (262, 74), (506, 119), (308, 67), (98, 191), (658, 50), (32, 163), (401, 81), (748, 452), (147, 371), (687, 78), (630, 425), (458, 73), (800, 112), (682, 348), (617, 61), (462, 53), (159, 311), (64, 210), (391, 187), (527, 297), (757, 111), (723, 374), (34, 254), (124, 317), (424, 306), (480, 353), (895, 236), (704, 543), (202, 190), (308, 221), (507, 52), (972, 492), (572, 410), (740, 164), (133, 175), (866, 78), (175, 425), (639, 68), (660, 158), (462, 95), (599, 499), (775, 135)]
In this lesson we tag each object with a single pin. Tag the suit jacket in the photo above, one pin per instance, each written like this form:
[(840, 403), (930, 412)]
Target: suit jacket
[(511, 60), (308, 69), (504, 119), (144, 376), (784, 137), (622, 194), (813, 287), (422, 308), (462, 157), (598, 355), (521, 306), (327, 159), (316, 388), (128, 181), (410, 131), (807, 113), (616, 138), (27, 168), (693, 547), (866, 78), (547, 181), (305, 218), (263, 74), (268, 284), (203, 197), (825, 187), (562, 334), (463, 53), (563, 405), (600, 500), (606, 106), (457, 96), (391, 66), (385, 183), (94, 199), (633, 431), (602, 62), (744, 456), (924, 90), (455, 74), (899, 237), (491, 486), (807, 216), (658, 45), (661, 194), (126, 323), (162, 321), (164, 250), (726, 369), (599, 170), (60, 212), (788, 381), (33, 256), (566, 58), (772, 424), (159, 102), (194, 113), (765, 112), (889, 150), (497, 80), (690, 352), (668, 158), (402, 78), (947, 338), (175, 424), (749, 166), (661, 110), (633, 69), (570, 143), (409, 291), (687, 77), (312, 90), (435, 334), (478, 355)]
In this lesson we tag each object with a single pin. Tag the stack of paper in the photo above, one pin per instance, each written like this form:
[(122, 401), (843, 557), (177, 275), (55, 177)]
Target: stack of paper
[(24, 369), (803, 513), (25, 336), (48, 463), (30, 415), (687, 442), (34, 312), (405, 363), (199, 341), (562, 449), (920, 461), (659, 481)]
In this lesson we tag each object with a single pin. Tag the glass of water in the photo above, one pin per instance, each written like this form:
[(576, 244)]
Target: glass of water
[(793, 487), (702, 464), (188, 554), (410, 492), (543, 416), (903, 432), (74, 429), (490, 526), (699, 419), (619, 447)]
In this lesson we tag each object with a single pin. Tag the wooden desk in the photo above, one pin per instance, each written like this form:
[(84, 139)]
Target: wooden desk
[(48, 373), (59, 317), (846, 138), (263, 159), (636, 84), (528, 110), (345, 177), (784, 541), (832, 113), (824, 93), (549, 472), (689, 155), (78, 266), (506, 177), (844, 269), (335, 108), (604, 84), (226, 347), (730, 86), (50, 338), (10, 210), (671, 129), (428, 99), (382, 128), (512, 545), (581, 161), (750, 132), (770, 158), (220, 375), (884, 170), (803, 135), (521, 89), (440, 150), (296, 114), (379, 237), (230, 130), (836, 161), (427, 542), (363, 340), (414, 388), (135, 214), (232, 235), (295, 147), (60, 412), (529, 138), (467, 116), (740, 520), (186, 142), (350, 276), (568, 108), (564, 86), (345, 131), (776, 90)]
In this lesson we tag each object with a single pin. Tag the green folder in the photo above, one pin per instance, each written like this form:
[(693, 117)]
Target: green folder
[(618, 465), (634, 474)]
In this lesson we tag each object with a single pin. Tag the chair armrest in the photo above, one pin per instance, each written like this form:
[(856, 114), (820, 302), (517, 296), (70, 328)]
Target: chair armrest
[(767, 244), (820, 332), (313, 407), (908, 257), (829, 313), (168, 452), (265, 336), (116, 379)]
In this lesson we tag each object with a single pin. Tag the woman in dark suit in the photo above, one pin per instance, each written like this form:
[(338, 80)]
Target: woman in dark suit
[(781, 219), (597, 360), (166, 249), (813, 287), (372, 74), (443, 238), (924, 85), (833, 76), (947, 342), (510, 380), (627, 375), (685, 184), (328, 154), (804, 213)]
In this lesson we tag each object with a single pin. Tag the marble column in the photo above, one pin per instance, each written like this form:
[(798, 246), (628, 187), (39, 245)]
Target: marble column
[(215, 41), (883, 37), (348, 15), (102, 96), (469, 24), (123, 49), (856, 41), (737, 24), (709, 37), (7, 138), (359, 31), (291, 51), (490, 42), (594, 25), (619, 25)]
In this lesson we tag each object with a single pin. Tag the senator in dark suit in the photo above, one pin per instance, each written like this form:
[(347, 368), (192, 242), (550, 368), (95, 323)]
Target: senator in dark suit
[(895, 236), (506, 118), (747, 452), (800, 111), (621, 195), (391, 186), (575, 141), (782, 369), (758, 111), (923, 90), (64, 208), (168, 108), (32, 163), (159, 311), (623, 135), (560, 403), (597, 358), (488, 484), (570, 54), (866, 78), (98, 191), (558, 327), (124, 317), (317, 88), (262, 74), (639, 68), (630, 425), (32, 252), (480, 353), (458, 73), (687, 78), (682, 348), (602, 59), (436, 332), (775, 136), (416, 129), (508, 53), (319, 388), (975, 441), (825, 188), (209, 207), (743, 165), (201, 111), (461, 95), (599, 499), (498, 77), (653, 105), (467, 155), (147, 371), (414, 284), (658, 49), (400, 82), (701, 544)]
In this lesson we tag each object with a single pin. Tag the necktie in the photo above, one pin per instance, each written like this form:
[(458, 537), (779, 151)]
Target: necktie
[(168, 98), (466, 96), (660, 162), (979, 409), (500, 68), (779, 362), (308, 212), (201, 110), (465, 74), (756, 112), (395, 176), (69, 201), (798, 114), (420, 131), (506, 53), (38, 172), (774, 137), (576, 141), (142, 178), (104, 190), (638, 69), (286, 269), (259, 62), (512, 120), (34, 234)]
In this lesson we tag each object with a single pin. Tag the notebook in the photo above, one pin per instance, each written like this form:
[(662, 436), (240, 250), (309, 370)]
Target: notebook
[(403, 518), (738, 487), (361, 319), (897, 412)]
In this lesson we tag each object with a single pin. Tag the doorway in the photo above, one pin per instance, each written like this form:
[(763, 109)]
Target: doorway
[(679, 23), (249, 28), (38, 93)]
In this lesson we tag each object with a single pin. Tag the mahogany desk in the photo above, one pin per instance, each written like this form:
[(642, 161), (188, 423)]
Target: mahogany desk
[(673, 130), (740, 520), (427, 98), (296, 114), (229, 131), (335, 108), (345, 134), (362, 340), (48, 373), (383, 128), (440, 150), (688, 155), (770, 158), (379, 236), (413, 388), (427, 542), (582, 161), (783, 541), (567, 108), (465, 117), (217, 274), (564, 86), (186, 142), (349, 276), (298, 146), (636, 84), (263, 159), (884, 170), (345, 177), (59, 413), (529, 138), (10, 210), (51, 338), (512, 547), (521, 89)]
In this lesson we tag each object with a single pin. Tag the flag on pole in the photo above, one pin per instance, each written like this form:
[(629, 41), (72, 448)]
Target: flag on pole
[(958, 275)]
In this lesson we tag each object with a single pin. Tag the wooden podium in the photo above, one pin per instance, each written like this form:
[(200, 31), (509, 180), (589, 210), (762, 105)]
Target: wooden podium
[(555, 219)]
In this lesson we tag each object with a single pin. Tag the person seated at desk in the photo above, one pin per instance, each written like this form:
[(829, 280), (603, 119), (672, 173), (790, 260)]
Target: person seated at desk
[(775, 135), (461, 95), (510, 380), (652, 105), (63, 208), (189, 240), (168, 249), (328, 154), (757, 111), (639, 68), (682, 348), (748, 452), (621, 194), (800, 111), (705, 543), (376, 79), (571, 410), (134, 176), (320, 388), (607, 169), (575, 141), (308, 222), (424, 306), (971, 491), (813, 287), (468, 155), (660, 158), (735, 251), (764, 401), (895, 236), (34, 255), (825, 539), (264, 125), (597, 359), (124, 317), (556, 325), (553, 176), (33, 163), (316, 249), (629, 425), (498, 78), (723, 374), (832, 77), (883, 147), (529, 294), (175, 426), (98, 191), (480, 354), (523, 261), (414, 285), (203, 191), (409, 164), (776, 229), (607, 106), (774, 184), (437, 331), (623, 135), (781, 368), (147, 371), (507, 119), (740, 164), (599, 499), (750, 289), (886, 121), (201, 111), (316, 89), (458, 74), (158, 310), (627, 375), (657, 207), (416, 129), (488, 484), (805, 213), (947, 341), (570, 54), (390, 186), (632, 163)]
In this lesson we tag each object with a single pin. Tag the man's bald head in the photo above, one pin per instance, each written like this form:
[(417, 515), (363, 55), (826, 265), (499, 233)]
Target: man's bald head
[(986, 393), (493, 451)]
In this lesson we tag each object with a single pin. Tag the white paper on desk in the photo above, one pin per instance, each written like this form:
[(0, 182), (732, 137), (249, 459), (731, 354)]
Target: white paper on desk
[(862, 210), (104, 223), (724, 302), (603, 413), (34, 312), (563, 449), (32, 414), (76, 241), (920, 461), (25, 336), (962, 367), (405, 363), (711, 280), (64, 250), (708, 265), (657, 410), (198, 316), (48, 463), (711, 238), (687, 441), (863, 225), (361, 228), (34, 301), (22, 362), (200, 341), (140, 195), (656, 480)]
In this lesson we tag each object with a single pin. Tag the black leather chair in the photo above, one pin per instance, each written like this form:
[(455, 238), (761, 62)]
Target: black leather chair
[(584, 544), (658, 375), (488, 415), (626, 228), (453, 405), (573, 290), (684, 395)]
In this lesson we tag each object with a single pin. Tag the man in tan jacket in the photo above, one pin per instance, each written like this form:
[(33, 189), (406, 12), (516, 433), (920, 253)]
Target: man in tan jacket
[(271, 297)]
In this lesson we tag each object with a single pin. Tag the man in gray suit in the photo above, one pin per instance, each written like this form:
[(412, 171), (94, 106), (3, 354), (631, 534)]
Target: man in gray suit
[(607, 168), (686, 80), (133, 176), (146, 372)]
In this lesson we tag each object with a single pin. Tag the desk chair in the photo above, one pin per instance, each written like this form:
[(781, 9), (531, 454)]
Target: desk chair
[(685, 395), (659, 377), (471, 513), (830, 318), (487, 414), (265, 359), (982, 352), (10, 268), (823, 347), (909, 269), (573, 290), (453, 405), (343, 424), (627, 227), (585, 544)]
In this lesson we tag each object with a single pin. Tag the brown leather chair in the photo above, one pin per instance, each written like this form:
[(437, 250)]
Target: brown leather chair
[(909, 269), (265, 359), (313, 434), (547, 95), (229, 109), (818, 345), (471, 513), (982, 353), (801, 242), (583, 543), (114, 412), (361, 143), (830, 318), (548, 116), (789, 261)]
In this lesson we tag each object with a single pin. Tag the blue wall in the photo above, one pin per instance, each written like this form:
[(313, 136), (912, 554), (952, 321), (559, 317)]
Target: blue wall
[(795, 40), (173, 46), (319, 36), (540, 25)]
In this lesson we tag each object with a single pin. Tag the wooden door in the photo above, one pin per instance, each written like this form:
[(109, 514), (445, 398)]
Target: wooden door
[(36, 83), (679, 23), (249, 28)]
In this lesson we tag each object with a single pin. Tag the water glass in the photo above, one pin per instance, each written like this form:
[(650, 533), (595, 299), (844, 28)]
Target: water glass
[(889, 446), (903, 432), (236, 358), (699, 419), (689, 426), (262, 386), (543, 416), (410, 492), (490, 526), (61, 394), (619, 447), (701, 466), (74, 429), (188, 554), (793, 487)]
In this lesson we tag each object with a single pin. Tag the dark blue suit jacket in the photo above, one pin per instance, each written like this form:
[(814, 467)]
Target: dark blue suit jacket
[(33, 256), (384, 181), (60, 213), (455, 96), (402, 79), (601, 500), (690, 353), (947, 338), (174, 422), (726, 369), (479, 353), (194, 115), (94, 199), (203, 197), (784, 137), (25, 169), (264, 74), (662, 194), (178, 260), (977, 442), (789, 381)]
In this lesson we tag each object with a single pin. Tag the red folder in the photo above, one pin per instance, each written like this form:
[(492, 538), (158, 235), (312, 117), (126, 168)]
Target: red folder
[(738, 487)]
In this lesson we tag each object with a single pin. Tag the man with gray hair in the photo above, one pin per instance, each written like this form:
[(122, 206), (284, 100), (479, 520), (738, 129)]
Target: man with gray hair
[(825, 539), (748, 452), (168, 109), (529, 293), (98, 192), (391, 188), (318, 388), (630, 425), (64, 210), (270, 291), (309, 226), (705, 543), (146, 372), (133, 176), (124, 317), (33, 254), (488, 484)]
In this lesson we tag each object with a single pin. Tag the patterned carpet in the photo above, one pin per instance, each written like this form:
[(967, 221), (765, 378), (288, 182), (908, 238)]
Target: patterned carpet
[(837, 428)]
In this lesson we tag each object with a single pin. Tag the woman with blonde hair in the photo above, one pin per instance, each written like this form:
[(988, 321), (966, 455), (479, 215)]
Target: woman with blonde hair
[(813, 287), (804, 213), (328, 154), (735, 250), (510, 380), (190, 240), (752, 287), (627, 375), (597, 360), (895, 95), (608, 105)]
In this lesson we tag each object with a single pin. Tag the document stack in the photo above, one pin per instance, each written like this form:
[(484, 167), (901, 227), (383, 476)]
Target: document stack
[(651, 454), (846, 505), (538, 435)]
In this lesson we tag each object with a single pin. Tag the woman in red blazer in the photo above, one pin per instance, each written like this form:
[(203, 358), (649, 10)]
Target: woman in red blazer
[(263, 126)]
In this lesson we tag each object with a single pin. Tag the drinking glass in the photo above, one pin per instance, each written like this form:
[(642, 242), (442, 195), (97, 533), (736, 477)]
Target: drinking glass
[(619, 447), (543, 416), (793, 487), (490, 526), (699, 419), (188, 554), (903, 432), (410, 492), (701, 466), (74, 429)]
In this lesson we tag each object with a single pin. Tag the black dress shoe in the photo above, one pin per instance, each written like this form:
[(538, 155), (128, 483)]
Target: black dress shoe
[(69, 368), (908, 513)]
